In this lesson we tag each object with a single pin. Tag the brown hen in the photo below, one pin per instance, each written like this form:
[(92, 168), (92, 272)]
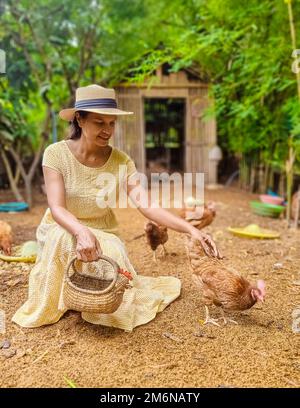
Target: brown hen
[(5, 237), (220, 285), (156, 235), (199, 216)]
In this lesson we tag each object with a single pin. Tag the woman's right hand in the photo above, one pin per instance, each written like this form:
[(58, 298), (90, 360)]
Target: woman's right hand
[(208, 244), (87, 247)]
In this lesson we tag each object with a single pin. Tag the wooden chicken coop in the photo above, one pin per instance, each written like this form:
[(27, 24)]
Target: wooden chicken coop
[(167, 131)]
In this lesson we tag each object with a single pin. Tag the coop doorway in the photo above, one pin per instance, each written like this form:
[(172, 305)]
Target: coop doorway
[(164, 134)]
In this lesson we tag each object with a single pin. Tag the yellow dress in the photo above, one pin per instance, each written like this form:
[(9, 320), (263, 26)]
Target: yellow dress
[(56, 247)]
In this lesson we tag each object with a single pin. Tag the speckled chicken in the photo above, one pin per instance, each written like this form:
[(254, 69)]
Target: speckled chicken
[(5, 237), (156, 235), (198, 216), (221, 286)]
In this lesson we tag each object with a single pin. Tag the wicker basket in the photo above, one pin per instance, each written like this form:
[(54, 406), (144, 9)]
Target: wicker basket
[(86, 293)]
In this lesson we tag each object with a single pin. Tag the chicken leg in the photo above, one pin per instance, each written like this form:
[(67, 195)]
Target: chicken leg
[(165, 252), (226, 319), (209, 319)]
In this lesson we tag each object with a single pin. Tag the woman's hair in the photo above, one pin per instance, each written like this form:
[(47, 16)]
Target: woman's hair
[(75, 129)]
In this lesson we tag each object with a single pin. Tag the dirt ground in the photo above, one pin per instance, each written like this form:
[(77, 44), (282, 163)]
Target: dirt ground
[(174, 349)]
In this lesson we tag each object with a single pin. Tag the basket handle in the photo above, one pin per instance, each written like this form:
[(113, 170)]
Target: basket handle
[(105, 258)]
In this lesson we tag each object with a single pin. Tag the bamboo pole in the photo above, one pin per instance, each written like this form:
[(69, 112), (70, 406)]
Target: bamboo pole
[(270, 182), (291, 158), (293, 38)]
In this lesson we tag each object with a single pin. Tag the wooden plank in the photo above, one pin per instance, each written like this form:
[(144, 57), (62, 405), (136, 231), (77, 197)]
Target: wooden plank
[(202, 136), (164, 85), (164, 93), (182, 78), (128, 134), (187, 138)]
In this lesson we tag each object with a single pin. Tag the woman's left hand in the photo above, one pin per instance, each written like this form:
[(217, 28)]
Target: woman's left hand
[(207, 243)]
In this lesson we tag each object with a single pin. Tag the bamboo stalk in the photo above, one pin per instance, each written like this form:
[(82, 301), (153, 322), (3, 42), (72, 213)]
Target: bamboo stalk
[(281, 183), (291, 158), (260, 178), (289, 180), (270, 182), (293, 38), (266, 177), (252, 178)]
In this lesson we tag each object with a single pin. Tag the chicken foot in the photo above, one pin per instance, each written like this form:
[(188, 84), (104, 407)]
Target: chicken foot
[(208, 319), (165, 252), (226, 319)]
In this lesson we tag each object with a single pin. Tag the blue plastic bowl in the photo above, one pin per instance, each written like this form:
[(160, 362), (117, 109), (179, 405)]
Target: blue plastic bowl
[(14, 206)]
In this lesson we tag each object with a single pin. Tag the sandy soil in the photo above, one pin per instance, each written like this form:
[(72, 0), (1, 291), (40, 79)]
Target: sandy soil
[(173, 350)]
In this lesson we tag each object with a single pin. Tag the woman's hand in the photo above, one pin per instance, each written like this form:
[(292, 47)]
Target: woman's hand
[(87, 248), (207, 243)]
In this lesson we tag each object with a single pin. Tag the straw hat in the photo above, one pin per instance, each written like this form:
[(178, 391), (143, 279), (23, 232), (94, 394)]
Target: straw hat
[(254, 231), (94, 98)]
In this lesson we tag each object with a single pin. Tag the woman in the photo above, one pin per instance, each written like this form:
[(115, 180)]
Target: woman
[(75, 223)]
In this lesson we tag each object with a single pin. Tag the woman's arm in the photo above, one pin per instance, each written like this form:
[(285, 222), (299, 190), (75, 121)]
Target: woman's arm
[(166, 218), (55, 189), (88, 247)]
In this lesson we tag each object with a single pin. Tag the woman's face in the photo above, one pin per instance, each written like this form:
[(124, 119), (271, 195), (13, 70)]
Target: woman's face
[(97, 128)]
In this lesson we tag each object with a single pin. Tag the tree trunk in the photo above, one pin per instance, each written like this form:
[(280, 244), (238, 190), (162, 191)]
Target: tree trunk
[(18, 172), (266, 178), (28, 177), (260, 178), (289, 165), (244, 174), (271, 179), (12, 182), (252, 177), (281, 189), (17, 176), (28, 189)]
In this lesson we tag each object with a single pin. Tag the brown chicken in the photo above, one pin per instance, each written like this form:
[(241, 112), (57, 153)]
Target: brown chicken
[(5, 237), (199, 217), (156, 235), (220, 285)]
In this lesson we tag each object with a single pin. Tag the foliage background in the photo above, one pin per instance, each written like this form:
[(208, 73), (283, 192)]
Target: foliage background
[(242, 49)]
